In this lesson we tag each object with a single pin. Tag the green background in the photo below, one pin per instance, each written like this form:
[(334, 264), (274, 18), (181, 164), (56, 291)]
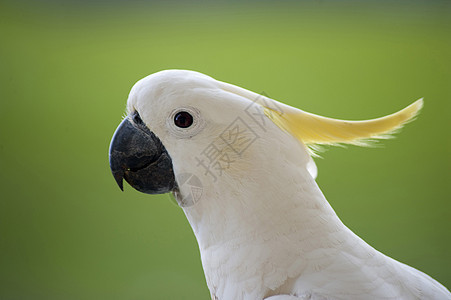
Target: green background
[(66, 230)]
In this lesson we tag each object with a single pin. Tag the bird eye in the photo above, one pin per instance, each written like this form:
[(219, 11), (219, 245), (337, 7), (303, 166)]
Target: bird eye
[(137, 119), (183, 119)]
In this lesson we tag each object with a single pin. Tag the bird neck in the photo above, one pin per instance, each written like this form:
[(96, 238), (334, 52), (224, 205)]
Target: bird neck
[(251, 212), (263, 231)]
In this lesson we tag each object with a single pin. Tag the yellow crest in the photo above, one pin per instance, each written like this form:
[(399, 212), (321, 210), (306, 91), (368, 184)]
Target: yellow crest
[(313, 129)]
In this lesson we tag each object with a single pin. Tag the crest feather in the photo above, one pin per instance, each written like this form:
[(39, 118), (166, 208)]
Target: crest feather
[(314, 130)]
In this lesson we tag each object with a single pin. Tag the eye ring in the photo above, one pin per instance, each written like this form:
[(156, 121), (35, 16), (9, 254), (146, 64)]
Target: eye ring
[(198, 122), (183, 119)]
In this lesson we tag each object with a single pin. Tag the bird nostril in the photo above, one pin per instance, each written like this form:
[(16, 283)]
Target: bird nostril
[(137, 118)]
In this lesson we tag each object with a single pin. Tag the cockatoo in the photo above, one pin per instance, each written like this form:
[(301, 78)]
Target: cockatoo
[(240, 165)]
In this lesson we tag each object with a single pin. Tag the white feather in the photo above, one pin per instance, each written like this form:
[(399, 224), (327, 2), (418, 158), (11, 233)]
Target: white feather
[(264, 228)]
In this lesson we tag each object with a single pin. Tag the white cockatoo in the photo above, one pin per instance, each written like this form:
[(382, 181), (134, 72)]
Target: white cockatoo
[(240, 165)]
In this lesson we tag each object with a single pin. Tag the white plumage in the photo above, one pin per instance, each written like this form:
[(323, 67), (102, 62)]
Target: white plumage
[(264, 228)]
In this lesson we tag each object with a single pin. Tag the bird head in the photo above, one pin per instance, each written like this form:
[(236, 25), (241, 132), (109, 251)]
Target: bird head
[(183, 126)]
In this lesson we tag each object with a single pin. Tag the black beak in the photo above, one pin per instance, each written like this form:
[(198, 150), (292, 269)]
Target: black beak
[(138, 156)]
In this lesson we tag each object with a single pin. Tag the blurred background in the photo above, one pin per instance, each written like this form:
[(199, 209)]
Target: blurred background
[(66, 67)]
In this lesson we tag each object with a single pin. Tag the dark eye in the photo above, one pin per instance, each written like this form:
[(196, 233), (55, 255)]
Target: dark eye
[(137, 119), (183, 119)]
